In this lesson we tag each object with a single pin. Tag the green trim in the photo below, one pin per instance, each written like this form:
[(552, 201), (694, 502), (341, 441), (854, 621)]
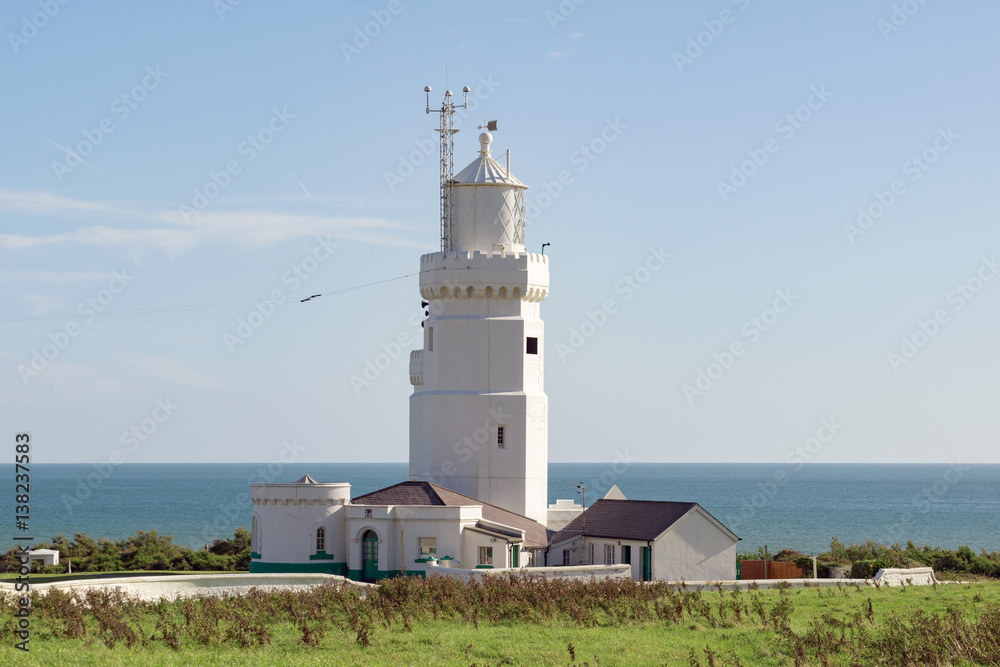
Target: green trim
[(321, 555), (446, 558), (484, 567), (429, 559), (290, 568), (254, 555)]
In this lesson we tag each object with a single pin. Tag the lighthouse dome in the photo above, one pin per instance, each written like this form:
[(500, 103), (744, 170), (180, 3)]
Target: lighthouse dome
[(487, 205)]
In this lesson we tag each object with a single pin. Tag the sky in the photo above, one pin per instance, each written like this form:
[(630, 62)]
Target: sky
[(773, 225)]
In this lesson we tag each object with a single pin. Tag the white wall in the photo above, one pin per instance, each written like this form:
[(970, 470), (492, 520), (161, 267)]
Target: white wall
[(288, 516), (694, 549), (479, 376)]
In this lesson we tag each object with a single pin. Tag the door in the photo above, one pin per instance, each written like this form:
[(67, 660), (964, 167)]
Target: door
[(515, 557), (646, 573), (369, 556)]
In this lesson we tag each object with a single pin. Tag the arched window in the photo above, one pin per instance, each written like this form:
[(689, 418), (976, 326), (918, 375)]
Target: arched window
[(321, 539), (255, 535)]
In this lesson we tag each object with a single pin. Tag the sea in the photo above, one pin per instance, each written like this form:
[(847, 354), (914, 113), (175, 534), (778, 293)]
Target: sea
[(797, 506)]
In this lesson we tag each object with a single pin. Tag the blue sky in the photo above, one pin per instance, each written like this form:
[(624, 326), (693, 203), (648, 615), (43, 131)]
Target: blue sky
[(238, 153)]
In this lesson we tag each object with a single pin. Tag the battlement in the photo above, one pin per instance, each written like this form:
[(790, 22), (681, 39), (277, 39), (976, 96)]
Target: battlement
[(477, 259), (489, 275), (416, 367)]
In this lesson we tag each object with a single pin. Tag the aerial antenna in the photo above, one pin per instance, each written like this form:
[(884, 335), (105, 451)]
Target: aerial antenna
[(447, 131)]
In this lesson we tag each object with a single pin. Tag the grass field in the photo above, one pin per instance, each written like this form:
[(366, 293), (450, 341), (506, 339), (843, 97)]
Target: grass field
[(440, 622)]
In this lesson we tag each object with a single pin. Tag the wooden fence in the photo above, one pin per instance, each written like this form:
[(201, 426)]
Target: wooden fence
[(754, 569)]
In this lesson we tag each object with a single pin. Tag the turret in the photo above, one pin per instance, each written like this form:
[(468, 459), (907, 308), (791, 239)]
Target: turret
[(487, 203)]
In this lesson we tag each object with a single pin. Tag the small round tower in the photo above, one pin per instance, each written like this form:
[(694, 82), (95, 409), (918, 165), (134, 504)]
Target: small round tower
[(487, 205)]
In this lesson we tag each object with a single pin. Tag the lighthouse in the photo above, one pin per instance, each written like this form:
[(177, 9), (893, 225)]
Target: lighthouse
[(478, 412)]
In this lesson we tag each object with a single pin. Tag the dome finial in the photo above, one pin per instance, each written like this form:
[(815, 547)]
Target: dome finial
[(484, 144)]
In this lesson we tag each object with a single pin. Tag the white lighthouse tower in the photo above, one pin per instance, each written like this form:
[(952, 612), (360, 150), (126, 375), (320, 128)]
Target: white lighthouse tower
[(479, 413)]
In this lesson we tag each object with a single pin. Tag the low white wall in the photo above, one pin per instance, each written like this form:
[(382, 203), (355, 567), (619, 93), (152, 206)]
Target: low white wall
[(897, 576), (596, 571), (185, 586)]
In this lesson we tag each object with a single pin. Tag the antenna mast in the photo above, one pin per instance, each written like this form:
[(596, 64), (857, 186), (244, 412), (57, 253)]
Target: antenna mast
[(447, 131)]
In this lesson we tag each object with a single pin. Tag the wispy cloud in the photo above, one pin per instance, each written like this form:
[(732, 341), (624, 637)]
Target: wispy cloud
[(41, 304), (31, 276), (165, 228), (556, 55), (172, 370)]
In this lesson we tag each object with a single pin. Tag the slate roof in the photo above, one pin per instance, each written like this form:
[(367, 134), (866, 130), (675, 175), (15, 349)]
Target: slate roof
[(427, 493), (641, 520)]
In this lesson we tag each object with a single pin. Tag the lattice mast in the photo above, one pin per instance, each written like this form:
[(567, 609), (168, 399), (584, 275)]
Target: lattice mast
[(447, 132)]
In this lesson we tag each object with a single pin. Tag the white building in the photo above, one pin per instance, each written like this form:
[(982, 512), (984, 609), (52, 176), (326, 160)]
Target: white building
[(311, 527), (479, 413), (660, 540), (478, 490)]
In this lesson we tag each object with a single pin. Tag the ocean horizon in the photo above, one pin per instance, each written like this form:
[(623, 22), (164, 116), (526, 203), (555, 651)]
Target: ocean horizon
[(800, 506)]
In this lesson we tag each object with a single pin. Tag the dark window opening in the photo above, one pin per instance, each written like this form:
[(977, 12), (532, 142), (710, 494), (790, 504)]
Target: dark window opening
[(532, 345), (500, 442)]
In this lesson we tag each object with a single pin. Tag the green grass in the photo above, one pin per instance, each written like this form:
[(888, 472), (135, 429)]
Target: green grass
[(517, 624)]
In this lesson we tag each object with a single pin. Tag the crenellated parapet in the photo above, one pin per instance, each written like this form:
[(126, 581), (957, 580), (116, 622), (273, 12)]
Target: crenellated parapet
[(490, 275), (300, 494), (416, 367)]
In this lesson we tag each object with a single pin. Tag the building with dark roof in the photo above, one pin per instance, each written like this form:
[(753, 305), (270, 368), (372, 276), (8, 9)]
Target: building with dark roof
[(660, 540)]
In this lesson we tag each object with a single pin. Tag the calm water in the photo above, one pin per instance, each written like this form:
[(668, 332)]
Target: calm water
[(771, 504)]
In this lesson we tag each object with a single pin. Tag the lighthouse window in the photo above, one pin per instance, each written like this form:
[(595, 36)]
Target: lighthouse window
[(500, 437), (532, 345), (320, 539)]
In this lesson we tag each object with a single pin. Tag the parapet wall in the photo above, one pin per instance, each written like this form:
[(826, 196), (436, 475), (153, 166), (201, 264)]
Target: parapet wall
[(496, 275), (585, 571), (171, 587)]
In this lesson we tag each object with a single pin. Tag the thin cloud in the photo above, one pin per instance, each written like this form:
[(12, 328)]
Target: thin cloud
[(172, 370), (169, 230), (30, 276), (297, 181)]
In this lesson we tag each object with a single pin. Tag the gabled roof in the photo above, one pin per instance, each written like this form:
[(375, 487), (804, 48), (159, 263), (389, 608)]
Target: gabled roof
[(428, 493), (641, 520)]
